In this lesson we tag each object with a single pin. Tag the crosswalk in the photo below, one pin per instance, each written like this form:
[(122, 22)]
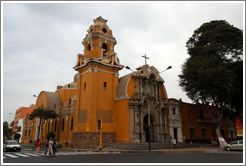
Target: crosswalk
[(28, 154)]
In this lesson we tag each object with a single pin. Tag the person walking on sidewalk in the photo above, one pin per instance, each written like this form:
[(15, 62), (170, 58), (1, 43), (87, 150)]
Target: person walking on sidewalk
[(50, 148), (38, 146), (54, 147), (46, 144), (174, 143)]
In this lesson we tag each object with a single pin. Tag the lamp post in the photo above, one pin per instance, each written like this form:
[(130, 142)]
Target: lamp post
[(169, 67), (149, 132), (39, 127)]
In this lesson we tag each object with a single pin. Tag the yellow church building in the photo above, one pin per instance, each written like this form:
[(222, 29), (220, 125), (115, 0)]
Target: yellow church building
[(129, 105)]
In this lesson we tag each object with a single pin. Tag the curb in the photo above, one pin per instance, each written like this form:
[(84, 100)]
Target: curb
[(144, 151)]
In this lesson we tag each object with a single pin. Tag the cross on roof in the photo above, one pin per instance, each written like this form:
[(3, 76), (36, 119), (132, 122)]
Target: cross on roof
[(145, 57)]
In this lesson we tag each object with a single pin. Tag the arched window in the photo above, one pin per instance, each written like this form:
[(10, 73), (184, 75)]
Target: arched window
[(105, 48), (104, 30), (89, 47), (71, 123), (63, 121), (49, 127), (84, 86), (104, 85), (55, 126)]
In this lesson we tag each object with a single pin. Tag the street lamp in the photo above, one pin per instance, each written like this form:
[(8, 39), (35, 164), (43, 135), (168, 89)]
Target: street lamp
[(149, 133), (127, 67), (169, 67)]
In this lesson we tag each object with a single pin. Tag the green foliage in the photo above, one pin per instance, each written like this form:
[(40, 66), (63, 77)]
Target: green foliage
[(217, 38), (213, 73), (12, 124), (42, 113), (206, 80), (236, 92), (50, 135), (7, 132)]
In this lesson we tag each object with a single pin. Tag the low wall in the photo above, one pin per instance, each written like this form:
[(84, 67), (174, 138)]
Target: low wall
[(91, 139)]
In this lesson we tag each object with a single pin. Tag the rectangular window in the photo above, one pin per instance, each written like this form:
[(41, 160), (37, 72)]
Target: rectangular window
[(55, 126), (84, 86), (189, 113), (105, 85), (203, 133), (191, 132), (19, 129), (201, 114), (71, 124), (63, 121), (174, 110)]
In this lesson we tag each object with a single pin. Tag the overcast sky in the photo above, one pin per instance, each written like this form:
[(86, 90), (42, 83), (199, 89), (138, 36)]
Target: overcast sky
[(41, 41)]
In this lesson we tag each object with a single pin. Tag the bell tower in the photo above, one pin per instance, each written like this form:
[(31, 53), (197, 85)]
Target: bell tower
[(98, 70)]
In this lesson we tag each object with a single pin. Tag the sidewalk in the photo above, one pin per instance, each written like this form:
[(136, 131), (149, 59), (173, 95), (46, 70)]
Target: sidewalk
[(178, 150), (196, 149)]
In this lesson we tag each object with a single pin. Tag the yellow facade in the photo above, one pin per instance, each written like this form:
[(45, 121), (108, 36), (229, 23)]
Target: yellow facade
[(131, 107), (95, 93)]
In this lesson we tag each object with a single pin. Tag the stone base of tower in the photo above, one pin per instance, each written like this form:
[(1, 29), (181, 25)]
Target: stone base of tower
[(92, 139)]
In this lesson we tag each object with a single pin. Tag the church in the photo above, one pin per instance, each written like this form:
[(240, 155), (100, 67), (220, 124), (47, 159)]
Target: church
[(134, 108)]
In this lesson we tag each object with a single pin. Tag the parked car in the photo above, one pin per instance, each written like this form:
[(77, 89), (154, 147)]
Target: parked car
[(11, 145), (235, 145)]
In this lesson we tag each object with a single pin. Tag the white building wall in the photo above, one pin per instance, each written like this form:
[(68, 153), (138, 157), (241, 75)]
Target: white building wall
[(175, 120), (20, 124)]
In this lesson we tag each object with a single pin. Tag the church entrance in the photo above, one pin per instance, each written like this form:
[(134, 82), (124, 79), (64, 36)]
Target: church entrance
[(146, 129), (175, 133)]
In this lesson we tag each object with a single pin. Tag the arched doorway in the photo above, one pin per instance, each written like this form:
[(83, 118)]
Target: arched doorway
[(146, 129)]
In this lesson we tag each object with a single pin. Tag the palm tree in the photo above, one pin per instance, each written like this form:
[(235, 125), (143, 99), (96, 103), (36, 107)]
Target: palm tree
[(42, 113)]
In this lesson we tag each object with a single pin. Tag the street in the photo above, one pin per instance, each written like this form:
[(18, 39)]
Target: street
[(63, 156)]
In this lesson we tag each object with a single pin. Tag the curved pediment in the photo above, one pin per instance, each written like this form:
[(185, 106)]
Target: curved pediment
[(146, 71)]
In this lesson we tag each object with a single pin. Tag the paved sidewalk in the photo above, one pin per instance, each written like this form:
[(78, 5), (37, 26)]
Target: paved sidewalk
[(198, 149)]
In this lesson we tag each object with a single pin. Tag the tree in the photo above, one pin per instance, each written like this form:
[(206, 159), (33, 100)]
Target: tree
[(7, 132), (236, 92), (209, 75), (216, 38), (43, 114)]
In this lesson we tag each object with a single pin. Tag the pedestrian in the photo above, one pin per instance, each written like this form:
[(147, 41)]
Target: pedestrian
[(46, 147), (184, 140), (50, 148), (38, 146), (57, 146), (174, 143), (54, 147)]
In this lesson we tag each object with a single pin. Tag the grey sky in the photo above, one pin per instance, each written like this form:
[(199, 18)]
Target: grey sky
[(41, 41)]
